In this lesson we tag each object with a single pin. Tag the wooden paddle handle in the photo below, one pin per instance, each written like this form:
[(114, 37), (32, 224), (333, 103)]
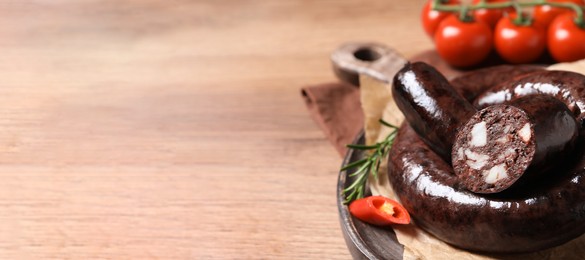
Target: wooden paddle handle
[(373, 59)]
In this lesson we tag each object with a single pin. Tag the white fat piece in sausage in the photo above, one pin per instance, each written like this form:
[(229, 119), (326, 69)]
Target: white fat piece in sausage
[(479, 134), (496, 173), (525, 133)]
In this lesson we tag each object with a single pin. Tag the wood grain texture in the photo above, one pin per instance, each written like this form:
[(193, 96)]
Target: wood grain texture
[(174, 129)]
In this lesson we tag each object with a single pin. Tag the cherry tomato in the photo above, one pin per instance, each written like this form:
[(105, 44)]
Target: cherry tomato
[(519, 43), (463, 44), (544, 14), (431, 18), (566, 40), (490, 16)]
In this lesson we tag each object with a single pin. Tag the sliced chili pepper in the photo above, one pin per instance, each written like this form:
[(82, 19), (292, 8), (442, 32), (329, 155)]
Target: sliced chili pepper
[(378, 210)]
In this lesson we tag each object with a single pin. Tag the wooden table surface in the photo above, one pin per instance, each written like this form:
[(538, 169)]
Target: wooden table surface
[(174, 129)]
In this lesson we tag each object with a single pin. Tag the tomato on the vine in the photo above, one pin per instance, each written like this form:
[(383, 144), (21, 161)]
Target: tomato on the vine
[(566, 40), (490, 16), (545, 14), (431, 18), (462, 43), (519, 43)]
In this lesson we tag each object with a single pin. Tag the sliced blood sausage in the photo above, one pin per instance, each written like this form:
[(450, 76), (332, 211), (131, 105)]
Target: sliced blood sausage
[(430, 105), (545, 214), (503, 144)]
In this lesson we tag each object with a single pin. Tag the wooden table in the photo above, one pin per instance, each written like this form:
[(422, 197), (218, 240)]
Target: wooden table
[(174, 129)]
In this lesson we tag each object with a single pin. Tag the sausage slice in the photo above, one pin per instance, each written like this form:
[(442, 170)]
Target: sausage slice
[(503, 144)]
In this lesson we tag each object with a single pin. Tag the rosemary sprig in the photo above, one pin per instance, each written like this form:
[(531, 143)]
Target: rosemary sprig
[(368, 165)]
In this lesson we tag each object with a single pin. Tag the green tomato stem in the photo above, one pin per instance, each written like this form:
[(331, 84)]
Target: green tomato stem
[(576, 8), (520, 19), (519, 15), (463, 14)]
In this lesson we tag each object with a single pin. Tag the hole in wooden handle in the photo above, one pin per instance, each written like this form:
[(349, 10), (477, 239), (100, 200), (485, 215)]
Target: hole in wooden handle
[(366, 54)]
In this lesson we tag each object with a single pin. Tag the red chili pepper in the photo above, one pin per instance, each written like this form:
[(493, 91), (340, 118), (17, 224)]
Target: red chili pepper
[(378, 210)]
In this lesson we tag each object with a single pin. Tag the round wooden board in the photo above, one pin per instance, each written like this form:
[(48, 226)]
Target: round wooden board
[(366, 241)]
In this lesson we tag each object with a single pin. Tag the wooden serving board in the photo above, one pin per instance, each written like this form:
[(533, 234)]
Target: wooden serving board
[(366, 241)]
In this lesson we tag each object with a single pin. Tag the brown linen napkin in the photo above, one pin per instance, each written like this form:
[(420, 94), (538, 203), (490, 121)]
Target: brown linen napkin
[(336, 108)]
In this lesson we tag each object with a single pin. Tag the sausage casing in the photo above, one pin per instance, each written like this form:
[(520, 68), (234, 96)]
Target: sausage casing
[(431, 105)]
